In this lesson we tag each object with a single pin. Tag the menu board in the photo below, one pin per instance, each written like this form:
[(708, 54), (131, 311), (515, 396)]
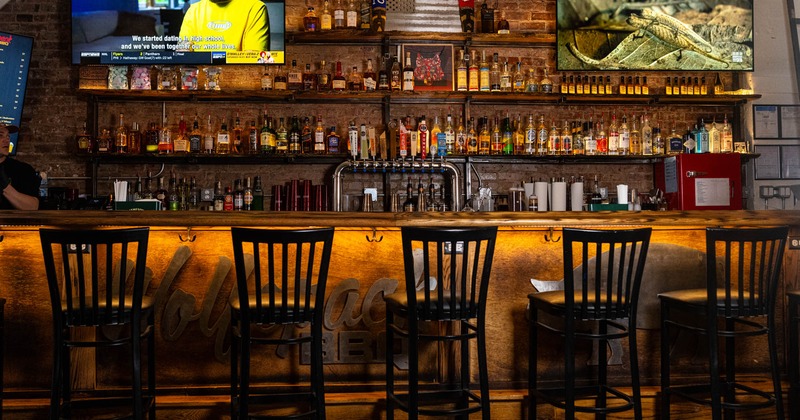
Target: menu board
[(15, 58)]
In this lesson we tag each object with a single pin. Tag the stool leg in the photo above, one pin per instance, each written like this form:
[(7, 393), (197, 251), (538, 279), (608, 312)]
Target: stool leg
[(773, 356), (389, 366), (244, 387), (633, 351), (569, 367), (463, 401), (317, 379), (730, 371), (665, 392), (56, 383), (234, 370), (602, 369), (413, 367), (794, 360), (151, 363), (713, 366), (136, 370), (533, 330), (483, 368)]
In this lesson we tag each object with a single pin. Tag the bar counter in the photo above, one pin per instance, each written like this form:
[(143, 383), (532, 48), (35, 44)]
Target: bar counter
[(190, 274)]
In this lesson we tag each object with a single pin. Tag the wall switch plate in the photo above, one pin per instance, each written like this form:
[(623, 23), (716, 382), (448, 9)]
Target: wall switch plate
[(794, 242), (207, 194)]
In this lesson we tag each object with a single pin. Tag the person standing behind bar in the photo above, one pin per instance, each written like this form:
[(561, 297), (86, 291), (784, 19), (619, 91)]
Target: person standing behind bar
[(242, 24), (19, 183)]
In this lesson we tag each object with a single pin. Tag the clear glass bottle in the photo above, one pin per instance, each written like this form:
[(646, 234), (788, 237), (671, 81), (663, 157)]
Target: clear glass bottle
[(624, 137), (319, 137), (370, 79), (647, 136), (325, 18), (121, 136), (351, 15), (518, 78), (266, 79), (165, 145), (474, 72), (532, 83), (355, 82), (408, 74), (545, 84), (323, 77), (338, 15), (494, 74), (506, 79), (726, 137), (281, 138), (462, 73), (223, 139)]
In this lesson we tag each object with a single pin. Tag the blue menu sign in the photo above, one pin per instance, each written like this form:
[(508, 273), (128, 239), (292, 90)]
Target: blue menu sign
[(15, 58)]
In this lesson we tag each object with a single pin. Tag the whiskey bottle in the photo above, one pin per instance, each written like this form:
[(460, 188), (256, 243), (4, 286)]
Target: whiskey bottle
[(589, 142), (466, 11), (238, 195), (519, 78), (378, 15), (280, 81), (165, 145), (309, 79), (134, 139), (266, 79), (579, 85), (395, 75), (121, 136), (484, 84), (219, 197), (484, 138), (474, 72), (496, 138), (264, 137), (258, 195), (609, 88), (339, 82), (503, 27), (195, 136), (577, 138), (319, 137), (84, 140), (104, 142), (351, 16), (323, 77), (365, 15), (487, 19), (668, 86), (370, 80), (519, 137), (248, 194), (462, 73), (355, 83), (333, 141), (613, 136), (719, 88), (546, 85), (281, 138), (408, 74), (338, 15), (306, 137), (294, 77), (223, 138), (645, 86), (151, 139), (703, 86), (181, 142), (624, 137), (253, 138), (623, 88), (383, 76), (647, 137), (449, 138), (472, 138), (311, 21), (325, 19), (295, 136)]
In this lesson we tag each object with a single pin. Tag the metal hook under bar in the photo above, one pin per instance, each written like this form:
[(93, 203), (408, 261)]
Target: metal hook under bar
[(374, 235), (189, 236), (551, 237)]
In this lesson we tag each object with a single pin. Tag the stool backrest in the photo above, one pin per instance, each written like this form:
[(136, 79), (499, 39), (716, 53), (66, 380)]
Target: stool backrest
[(89, 274), (610, 275), (744, 266), (455, 268), (287, 266)]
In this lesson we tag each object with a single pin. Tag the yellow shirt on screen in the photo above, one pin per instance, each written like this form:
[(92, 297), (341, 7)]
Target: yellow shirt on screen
[(239, 25)]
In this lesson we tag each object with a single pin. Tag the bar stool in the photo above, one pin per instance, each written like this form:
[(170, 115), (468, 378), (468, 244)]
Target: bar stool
[(794, 354), (287, 267), (90, 282), (447, 278), (604, 290), (743, 269)]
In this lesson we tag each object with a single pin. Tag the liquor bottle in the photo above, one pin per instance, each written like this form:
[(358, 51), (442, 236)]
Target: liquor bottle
[(601, 137), (396, 75), (104, 142), (484, 84), (253, 137), (173, 196), (546, 85), (365, 15), (668, 86), (624, 137), (541, 137), (339, 82), (589, 142), (161, 194), (637, 86), (294, 136), (503, 27), (571, 89), (266, 79), (623, 88), (684, 88), (659, 146), (258, 195), (309, 79), (566, 138), (703, 86), (383, 75), (355, 82), (587, 88), (719, 88), (696, 86), (609, 88), (689, 140), (193, 202), (519, 136), (613, 136), (675, 142), (435, 134), (263, 136), (294, 77), (378, 15), (601, 87), (596, 197), (702, 138), (280, 81), (219, 197), (505, 79), (248, 194), (484, 137), (311, 21), (408, 74), (462, 73), (635, 144), (281, 138), (325, 18), (496, 138), (409, 204), (351, 15), (554, 140), (507, 136), (564, 87), (370, 79), (530, 137), (518, 82), (424, 139), (579, 85), (333, 141), (227, 204), (134, 139), (494, 74), (181, 142), (647, 137), (121, 136), (726, 137), (487, 19), (165, 145), (319, 137), (474, 72), (472, 138), (461, 138), (209, 137), (306, 137), (223, 138), (238, 195), (645, 86), (466, 11), (323, 77), (84, 140), (196, 136), (531, 83), (577, 138), (237, 144), (338, 15), (593, 86), (448, 146)]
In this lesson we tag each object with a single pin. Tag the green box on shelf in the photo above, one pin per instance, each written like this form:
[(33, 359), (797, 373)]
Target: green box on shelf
[(607, 207), (137, 205)]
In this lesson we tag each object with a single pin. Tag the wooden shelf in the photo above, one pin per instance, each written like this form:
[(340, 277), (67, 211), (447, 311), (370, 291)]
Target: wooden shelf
[(356, 37)]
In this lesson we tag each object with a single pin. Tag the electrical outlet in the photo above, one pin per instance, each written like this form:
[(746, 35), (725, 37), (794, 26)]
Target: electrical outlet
[(85, 249), (794, 242), (207, 194)]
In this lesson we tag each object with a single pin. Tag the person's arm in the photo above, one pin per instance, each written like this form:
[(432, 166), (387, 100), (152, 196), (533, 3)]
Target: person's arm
[(19, 200), (256, 36)]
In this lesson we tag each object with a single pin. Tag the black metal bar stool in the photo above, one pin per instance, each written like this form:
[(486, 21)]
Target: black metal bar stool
[(603, 290), (447, 278), (794, 354), (96, 279), (743, 269), (283, 284)]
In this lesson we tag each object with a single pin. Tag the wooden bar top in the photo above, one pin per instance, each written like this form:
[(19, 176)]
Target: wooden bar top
[(656, 219)]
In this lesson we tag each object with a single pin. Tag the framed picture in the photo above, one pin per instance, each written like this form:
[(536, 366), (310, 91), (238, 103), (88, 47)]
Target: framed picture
[(768, 165), (433, 66)]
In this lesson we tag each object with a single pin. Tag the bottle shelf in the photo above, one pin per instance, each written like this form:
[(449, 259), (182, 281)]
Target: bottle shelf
[(458, 39)]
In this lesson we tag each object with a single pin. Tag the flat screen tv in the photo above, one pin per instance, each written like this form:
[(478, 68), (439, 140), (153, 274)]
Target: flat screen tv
[(15, 59), (692, 35), (178, 32)]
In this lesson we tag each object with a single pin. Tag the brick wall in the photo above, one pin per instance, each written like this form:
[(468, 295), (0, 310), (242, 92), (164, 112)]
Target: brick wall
[(54, 111)]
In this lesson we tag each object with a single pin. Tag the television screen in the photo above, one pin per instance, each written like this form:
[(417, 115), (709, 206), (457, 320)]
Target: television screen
[(693, 35), (15, 58), (178, 32)]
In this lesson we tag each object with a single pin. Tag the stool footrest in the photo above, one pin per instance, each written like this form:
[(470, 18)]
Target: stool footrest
[(442, 397), (555, 397), (690, 392)]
